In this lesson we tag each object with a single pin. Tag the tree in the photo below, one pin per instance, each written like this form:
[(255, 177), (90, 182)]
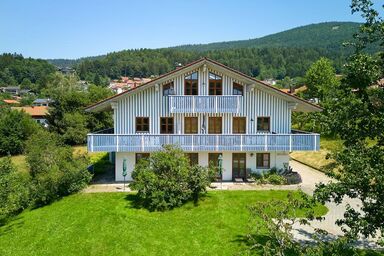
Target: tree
[(15, 128), (166, 180), (321, 80), (358, 113), (14, 189), (55, 170)]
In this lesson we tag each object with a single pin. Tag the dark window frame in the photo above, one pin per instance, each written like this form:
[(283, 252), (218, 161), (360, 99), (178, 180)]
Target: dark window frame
[(215, 125), (168, 89), (139, 156), (168, 123), (260, 161), (238, 88), (215, 84), (141, 125), (237, 126), (191, 85), (261, 123), (188, 125)]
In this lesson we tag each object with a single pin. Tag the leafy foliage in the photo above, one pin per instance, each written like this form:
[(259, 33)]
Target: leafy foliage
[(166, 180), (358, 114), (14, 189), (15, 129), (55, 171)]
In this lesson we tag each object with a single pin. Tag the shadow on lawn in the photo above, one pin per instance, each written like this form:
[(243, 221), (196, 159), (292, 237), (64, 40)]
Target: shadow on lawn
[(135, 202), (8, 225)]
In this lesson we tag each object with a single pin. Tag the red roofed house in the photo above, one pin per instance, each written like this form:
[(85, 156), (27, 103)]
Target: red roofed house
[(38, 113)]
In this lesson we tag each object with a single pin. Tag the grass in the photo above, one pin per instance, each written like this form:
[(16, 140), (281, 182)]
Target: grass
[(317, 159), (109, 224)]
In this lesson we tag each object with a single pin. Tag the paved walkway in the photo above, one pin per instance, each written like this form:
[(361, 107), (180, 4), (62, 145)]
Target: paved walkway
[(310, 178)]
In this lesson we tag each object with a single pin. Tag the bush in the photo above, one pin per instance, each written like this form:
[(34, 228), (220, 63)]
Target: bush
[(55, 171), (269, 177), (15, 129), (14, 189), (166, 180)]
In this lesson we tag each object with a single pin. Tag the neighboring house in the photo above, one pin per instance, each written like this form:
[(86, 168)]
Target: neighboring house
[(41, 102), (125, 83), (11, 102), (209, 110), (13, 90), (37, 113), (294, 90)]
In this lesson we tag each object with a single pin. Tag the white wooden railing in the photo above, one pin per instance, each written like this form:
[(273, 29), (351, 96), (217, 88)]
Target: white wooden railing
[(203, 142), (205, 103)]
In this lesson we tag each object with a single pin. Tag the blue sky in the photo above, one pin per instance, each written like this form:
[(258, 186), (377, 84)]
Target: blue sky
[(78, 28)]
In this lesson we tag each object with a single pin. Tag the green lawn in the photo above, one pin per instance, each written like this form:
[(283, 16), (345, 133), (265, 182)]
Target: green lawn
[(109, 224), (316, 159)]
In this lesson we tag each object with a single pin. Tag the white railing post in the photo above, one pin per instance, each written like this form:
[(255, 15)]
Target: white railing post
[(117, 143), (192, 143), (241, 142), (193, 104), (142, 142), (91, 143), (290, 143), (238, 105), (314, 146), (171, 103), (265, 142), (217, 142), (216, 104)]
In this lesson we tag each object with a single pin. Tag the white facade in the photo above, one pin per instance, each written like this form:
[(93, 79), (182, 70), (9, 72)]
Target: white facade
[(258, 100)]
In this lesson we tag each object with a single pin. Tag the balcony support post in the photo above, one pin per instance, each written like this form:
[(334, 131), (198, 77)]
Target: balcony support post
[(117, 143), (265, 142), (241, 142), (314, 144), (91, 143), (142, 143), (290, 143), (216, 104), (192, 143)]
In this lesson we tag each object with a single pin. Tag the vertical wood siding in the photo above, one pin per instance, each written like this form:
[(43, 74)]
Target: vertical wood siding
[(151, 103)]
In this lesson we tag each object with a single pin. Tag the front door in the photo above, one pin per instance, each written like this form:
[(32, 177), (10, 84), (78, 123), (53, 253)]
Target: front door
[(239, 165)]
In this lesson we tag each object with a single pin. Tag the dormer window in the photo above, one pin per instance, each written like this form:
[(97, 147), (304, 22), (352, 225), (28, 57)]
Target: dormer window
[(191, 84), (238, 89), (215, 84), (168, 89)]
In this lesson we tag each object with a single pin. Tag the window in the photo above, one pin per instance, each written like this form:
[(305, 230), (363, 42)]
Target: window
[(215, 84), (140, 156), (193, 158), (214, 125), (263, 124), (168, 89), (238, 89), (191, 84), (166, 125), (213, 161), (142, 124), (263, 160), (190, 125), (239, 125)]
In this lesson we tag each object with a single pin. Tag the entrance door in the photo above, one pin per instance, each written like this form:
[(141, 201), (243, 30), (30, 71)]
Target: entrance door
[(239, 165)]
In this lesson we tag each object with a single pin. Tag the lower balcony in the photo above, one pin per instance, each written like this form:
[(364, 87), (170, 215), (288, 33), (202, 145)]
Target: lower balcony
[(203, 142)]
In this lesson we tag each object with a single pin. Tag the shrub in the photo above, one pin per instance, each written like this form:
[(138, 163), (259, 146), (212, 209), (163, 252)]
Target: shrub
[(55, 171), (14, 189), (166, 180), (269, 177)]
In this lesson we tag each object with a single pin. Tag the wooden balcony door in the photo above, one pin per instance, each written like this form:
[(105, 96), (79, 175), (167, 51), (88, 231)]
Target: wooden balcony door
[(239, 165)]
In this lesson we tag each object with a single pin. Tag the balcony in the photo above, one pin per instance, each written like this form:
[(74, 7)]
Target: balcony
[(205, 103), (204, 142)]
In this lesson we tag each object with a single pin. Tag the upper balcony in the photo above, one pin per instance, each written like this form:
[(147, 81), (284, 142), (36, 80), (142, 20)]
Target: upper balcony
[(205, 103)]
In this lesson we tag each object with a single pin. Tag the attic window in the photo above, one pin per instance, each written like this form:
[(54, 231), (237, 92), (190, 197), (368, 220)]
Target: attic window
[(215, 84), (191, 84)]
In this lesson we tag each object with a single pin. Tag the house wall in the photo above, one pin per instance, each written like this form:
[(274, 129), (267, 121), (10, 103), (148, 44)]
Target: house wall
[(151, 103), (277, 160)]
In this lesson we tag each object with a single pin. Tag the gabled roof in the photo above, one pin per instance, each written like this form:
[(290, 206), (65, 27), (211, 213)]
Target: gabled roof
[(33, 111), (302, 105)]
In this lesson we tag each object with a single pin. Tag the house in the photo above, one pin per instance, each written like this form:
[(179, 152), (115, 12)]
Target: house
[(41, 102), (11, 102), (209, 110), (125, 83), (13, 90), (38, 113)]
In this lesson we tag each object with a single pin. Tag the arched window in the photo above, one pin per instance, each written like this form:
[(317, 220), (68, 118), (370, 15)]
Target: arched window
[(215, 84), (191, 84)]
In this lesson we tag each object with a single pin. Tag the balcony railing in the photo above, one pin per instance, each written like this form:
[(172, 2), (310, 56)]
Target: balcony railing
[(205, 104), (203, 142)]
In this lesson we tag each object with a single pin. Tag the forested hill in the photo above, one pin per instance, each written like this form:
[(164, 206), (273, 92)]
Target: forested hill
[(327, 35)]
